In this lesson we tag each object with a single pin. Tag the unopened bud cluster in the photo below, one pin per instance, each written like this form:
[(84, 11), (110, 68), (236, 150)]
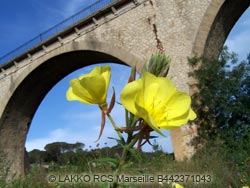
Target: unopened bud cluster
[(158, 65)]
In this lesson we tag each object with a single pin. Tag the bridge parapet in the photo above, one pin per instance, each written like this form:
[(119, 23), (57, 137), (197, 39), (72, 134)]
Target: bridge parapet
[(82, 22)]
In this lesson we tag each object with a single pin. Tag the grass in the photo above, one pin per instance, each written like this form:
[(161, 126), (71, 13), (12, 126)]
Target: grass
[(210, 161)]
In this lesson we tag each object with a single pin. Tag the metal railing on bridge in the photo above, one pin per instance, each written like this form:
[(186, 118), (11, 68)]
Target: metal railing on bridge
[(84, 13)]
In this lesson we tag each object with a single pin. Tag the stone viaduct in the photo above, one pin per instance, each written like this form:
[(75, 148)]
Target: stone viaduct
[(124, 32)]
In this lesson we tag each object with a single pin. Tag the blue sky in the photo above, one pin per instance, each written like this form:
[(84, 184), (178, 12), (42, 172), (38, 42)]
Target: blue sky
[(57, 119)]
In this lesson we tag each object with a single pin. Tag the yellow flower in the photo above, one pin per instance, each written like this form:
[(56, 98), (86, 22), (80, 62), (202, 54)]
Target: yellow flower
[(158, 102), (245, 187), (176, 185), (91, 88)]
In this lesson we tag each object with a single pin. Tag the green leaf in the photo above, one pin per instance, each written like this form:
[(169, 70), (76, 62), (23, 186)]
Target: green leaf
[(119, 142), (136, 155), (111, 161)]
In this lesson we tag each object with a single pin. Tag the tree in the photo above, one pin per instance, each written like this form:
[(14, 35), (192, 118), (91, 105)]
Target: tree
[(55, 150), (36, 156), (222, 104), (224, 93)]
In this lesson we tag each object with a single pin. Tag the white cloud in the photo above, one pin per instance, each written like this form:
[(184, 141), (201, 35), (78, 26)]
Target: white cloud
[(71, 135), (81, 126), (39, 143)]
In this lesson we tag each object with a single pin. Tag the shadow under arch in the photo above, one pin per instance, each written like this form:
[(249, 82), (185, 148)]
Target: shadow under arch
[(217, 22), (26, 98)]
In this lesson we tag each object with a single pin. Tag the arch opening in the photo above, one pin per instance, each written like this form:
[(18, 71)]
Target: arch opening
[(19, 112), (73, 122), (218, 21), (20, 109)]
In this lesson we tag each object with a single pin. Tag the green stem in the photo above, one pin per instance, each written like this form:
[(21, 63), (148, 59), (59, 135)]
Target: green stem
[(124, 157), (115, 126), (131, 140), (127, 119)]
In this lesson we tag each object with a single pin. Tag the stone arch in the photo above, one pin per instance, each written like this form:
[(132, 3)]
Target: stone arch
[(217, 22), (34, 83)]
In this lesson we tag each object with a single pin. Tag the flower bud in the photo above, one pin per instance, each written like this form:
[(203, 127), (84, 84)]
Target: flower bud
[(157, 65)]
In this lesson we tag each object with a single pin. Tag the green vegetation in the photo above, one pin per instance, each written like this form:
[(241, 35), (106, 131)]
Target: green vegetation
[(223, 109), (223, 147), (212, 161)]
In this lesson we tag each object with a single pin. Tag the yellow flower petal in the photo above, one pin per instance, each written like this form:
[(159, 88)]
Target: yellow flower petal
[(156, 89), (141, 112), (179, 121), (90, 88), (128, 95), (70, 95), (104, 71), (178, 104), (157, 101), (96, 88), (178, 185)]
